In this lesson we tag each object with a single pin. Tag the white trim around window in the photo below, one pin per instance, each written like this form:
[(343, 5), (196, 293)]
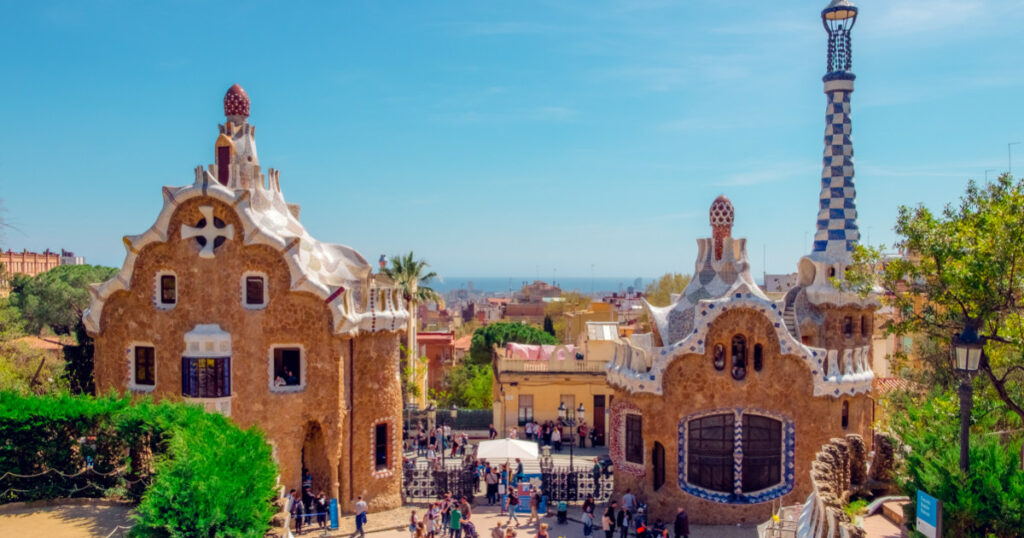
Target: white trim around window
[(271, 378), (130, 352), (158, 290), (245, 294)]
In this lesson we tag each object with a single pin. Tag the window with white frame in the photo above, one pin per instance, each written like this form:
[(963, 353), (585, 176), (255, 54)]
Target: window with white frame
[(142, 363), (287, 368), (165, 295), (254, 290)]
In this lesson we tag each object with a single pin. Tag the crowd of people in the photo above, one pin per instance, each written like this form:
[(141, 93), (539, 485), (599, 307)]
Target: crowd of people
[(306, 506), (551, 433), (451, 517), (432, 442)]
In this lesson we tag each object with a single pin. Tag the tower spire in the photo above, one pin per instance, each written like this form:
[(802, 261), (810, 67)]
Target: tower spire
[(837, 230)]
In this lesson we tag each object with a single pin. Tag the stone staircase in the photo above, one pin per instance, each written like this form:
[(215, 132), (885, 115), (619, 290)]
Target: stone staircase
[(789, 314)]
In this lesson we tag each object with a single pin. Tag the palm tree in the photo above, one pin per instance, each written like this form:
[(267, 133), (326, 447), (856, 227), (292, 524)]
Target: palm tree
[(408, 274)]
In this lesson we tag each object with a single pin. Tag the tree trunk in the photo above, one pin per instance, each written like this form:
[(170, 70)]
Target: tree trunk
[(410, 360)]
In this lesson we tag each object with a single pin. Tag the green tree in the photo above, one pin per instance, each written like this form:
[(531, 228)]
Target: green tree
[(485, 338), (468, 386), (56, 298), (409, 274), (659, 292), (963, 267), (549, 326)]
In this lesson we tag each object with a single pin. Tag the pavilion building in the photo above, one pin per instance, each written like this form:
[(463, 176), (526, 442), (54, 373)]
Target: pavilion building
[(228, 302), (722, 407)]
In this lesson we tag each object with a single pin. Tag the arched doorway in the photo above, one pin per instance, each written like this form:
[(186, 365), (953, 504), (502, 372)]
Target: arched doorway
[(314, 458)]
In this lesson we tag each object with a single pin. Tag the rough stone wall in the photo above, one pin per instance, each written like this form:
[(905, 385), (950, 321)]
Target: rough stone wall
[(885, 459), (830, 476), (210, 291), (376, 397), (691, 384)]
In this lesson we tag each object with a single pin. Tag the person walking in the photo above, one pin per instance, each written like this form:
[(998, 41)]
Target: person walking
[(534, 506), (492, 433), (455, 521), (608, 520), (556, 439), (360, 516), (622, 521), (513, 503), (596, 473), (682, 524), (588, 523)]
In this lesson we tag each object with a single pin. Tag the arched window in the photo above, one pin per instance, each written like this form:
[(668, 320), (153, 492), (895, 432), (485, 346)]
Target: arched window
[(739, 357), (846, 414), (758, 357), (719, 357), (864, 326), (658, 459), (848, 326)]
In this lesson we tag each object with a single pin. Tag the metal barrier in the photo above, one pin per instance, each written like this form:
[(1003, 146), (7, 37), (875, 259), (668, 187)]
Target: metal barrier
[(563, 484), (425, 482)]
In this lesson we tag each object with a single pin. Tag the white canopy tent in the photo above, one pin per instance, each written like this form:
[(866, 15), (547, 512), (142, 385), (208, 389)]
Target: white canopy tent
[(507, 449)]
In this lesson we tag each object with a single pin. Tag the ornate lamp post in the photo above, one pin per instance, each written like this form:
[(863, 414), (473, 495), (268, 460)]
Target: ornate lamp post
[(570, 421), (452, 413), (968, 350)]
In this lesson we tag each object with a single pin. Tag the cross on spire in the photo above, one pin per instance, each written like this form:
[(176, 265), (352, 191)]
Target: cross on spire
[(208, 231)]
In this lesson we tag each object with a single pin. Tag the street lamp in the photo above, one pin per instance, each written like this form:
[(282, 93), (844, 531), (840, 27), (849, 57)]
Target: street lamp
[(570, 421), (968, 350), (452, 413)]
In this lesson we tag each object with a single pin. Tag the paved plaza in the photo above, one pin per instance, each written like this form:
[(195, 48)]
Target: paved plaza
[(394, 523)]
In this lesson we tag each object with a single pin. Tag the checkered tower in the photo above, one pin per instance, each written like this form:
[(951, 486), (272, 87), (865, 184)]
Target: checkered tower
[(837, 230)]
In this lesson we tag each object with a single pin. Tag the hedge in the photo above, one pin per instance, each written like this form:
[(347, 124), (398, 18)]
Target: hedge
[(193, 473)]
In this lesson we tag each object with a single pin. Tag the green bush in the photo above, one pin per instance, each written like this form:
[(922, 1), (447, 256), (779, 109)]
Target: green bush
[(195, 473), (987, 501)]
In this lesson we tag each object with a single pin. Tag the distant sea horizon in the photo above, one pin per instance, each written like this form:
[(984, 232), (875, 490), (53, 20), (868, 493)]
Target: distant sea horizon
[(487, 284)]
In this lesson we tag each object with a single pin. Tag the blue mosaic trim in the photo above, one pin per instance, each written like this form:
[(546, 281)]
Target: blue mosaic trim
[(738, 496), (837, 229)]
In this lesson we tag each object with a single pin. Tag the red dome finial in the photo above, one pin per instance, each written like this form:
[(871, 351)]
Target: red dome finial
[(236, 102), (722, 215)]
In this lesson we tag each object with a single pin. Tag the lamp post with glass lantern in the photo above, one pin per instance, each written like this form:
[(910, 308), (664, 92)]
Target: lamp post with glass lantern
[(570, 420), (968, 350), (452, 413)]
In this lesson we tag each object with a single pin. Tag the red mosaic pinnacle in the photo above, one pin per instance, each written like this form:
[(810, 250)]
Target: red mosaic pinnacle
[(722, 215), (236, 102)]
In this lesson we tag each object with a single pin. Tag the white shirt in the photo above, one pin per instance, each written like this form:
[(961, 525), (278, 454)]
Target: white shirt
[(360, 507)]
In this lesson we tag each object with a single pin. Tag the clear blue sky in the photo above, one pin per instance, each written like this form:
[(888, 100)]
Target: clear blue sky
[(502, 138)]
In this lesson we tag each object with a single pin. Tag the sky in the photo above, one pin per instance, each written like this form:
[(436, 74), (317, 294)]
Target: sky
[(503, 138)]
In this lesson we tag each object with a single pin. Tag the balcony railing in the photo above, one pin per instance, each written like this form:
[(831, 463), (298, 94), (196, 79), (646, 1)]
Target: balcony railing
[(552, 365)]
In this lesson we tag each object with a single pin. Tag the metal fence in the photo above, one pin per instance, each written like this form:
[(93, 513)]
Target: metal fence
[(563, 484), (426, 482)]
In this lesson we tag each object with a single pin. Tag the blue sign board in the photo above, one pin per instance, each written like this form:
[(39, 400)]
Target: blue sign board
[(929, 515)]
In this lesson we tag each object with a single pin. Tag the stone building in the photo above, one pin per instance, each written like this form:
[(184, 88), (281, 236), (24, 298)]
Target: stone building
[(228, 302), (722, 408)]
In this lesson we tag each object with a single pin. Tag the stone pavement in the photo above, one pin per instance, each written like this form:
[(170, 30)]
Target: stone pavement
[(394, 524)]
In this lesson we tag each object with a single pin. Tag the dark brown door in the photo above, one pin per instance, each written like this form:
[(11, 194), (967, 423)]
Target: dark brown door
[(599, 419)]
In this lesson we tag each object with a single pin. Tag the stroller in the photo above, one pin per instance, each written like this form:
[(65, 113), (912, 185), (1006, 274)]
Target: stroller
[(469, 530)]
